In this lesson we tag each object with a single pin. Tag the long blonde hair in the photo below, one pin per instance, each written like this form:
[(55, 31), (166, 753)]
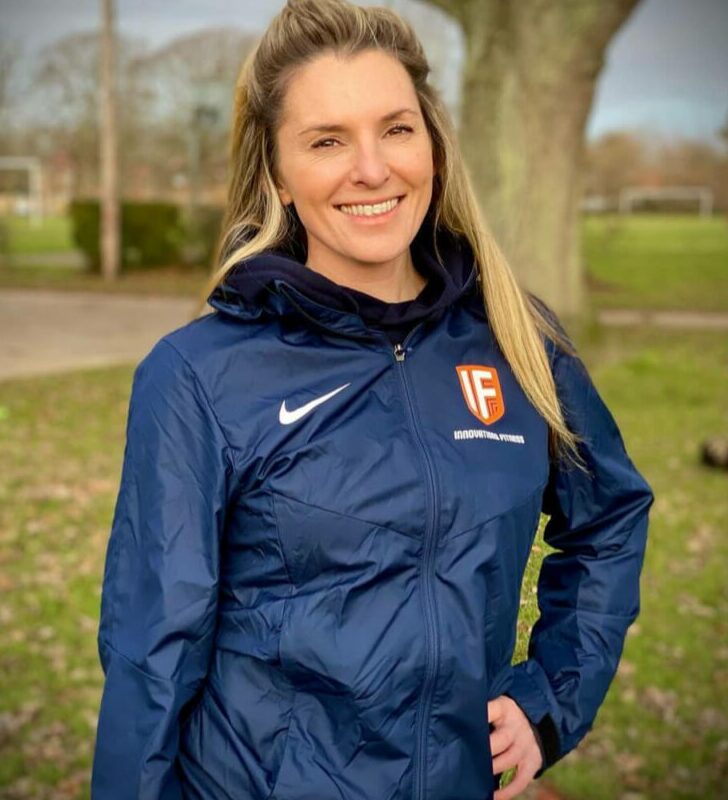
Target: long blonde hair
[(256, 220)]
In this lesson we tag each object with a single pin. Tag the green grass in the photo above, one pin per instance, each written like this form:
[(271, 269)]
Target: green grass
[(657, 261), (662, 731), (51, 234), (62, 440), (641, 261)]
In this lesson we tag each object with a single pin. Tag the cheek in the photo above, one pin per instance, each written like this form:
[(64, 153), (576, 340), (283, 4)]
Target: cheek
[(317, 182), (418, 166)]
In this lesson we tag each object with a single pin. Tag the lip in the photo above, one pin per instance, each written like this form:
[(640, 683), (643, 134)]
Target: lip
[(372, 220)]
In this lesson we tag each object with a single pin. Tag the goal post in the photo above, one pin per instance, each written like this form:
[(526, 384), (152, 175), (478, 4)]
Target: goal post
[(33, 167), (633, 195)]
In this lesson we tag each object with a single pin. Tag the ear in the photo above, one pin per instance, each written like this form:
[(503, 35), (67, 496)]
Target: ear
[(285, 195)]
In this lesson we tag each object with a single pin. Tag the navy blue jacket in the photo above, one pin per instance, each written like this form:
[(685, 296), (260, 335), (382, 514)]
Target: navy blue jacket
[(314, 570)]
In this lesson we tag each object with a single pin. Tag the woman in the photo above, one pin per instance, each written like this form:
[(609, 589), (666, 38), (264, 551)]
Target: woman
[(332, 483)]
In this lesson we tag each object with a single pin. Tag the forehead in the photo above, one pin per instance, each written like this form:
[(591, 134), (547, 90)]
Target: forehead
[(335, 88)]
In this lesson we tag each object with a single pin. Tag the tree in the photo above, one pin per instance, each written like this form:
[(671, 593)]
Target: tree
[(192, 83), (614, 161), (108, 151), (9, 60), (66, 88), (529, 78)]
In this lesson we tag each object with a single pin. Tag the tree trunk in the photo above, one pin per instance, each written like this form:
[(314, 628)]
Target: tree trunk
[(110, 216), (528, 83)]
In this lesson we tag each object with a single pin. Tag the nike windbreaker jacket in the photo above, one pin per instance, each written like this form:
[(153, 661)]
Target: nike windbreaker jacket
[(313, 576)]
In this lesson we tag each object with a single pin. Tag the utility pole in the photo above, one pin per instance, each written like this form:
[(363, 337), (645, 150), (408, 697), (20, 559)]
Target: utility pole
[(110, 212)]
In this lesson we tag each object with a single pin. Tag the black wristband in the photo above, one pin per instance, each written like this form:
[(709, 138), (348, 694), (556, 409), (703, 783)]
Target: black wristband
[(548, 740)]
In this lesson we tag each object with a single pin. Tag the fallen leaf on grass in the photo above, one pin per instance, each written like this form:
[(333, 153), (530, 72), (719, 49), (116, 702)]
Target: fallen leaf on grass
[(72, 786), (626, 669), (662, 701), (712, 719), (12, 722), (628, 762), (688, 604)]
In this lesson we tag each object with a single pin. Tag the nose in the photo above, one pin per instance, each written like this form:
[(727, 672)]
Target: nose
[(370, 165)]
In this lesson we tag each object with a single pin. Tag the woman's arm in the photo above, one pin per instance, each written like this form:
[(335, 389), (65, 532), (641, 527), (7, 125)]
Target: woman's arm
[(159, 598), (588, 591)]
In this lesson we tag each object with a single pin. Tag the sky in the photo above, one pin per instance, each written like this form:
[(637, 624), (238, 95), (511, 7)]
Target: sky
[(666, 70)]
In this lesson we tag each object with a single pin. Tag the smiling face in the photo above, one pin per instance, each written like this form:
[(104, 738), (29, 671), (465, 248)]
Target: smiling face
[(355, 158)]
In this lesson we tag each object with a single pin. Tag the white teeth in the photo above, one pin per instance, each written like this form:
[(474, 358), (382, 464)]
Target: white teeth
[(370, 211)]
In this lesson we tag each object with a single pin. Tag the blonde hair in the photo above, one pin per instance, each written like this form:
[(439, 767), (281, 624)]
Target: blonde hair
[(255, 219)]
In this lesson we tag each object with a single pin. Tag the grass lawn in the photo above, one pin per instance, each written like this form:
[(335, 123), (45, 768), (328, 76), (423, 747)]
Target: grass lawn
[(644, 261), (657, 261), (663, 730), (52, 234)]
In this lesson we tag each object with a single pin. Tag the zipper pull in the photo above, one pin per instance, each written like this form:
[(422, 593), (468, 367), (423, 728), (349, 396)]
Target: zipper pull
[(399, 352)]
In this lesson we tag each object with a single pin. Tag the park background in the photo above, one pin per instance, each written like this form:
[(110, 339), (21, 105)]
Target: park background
[(651, 323)]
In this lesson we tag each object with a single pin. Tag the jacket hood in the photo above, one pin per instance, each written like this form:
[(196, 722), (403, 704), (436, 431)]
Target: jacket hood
[(277, 283)]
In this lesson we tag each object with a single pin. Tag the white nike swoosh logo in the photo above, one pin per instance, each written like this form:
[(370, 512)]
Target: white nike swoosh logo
[(286, 417)]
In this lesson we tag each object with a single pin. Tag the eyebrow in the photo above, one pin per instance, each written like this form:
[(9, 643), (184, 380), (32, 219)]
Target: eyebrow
[(335, 128)]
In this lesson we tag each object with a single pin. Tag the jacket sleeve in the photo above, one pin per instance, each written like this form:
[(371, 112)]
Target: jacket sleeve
[(159, 598), (588, 590)]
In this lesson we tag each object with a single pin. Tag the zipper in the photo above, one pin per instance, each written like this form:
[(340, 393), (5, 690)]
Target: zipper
[(432, 644), (431, 638)]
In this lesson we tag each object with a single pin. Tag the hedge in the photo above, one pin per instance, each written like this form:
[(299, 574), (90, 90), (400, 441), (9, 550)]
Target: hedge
[(152, 234)]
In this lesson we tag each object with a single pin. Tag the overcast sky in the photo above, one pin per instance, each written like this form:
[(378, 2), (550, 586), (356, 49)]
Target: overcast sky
[(666, 70)]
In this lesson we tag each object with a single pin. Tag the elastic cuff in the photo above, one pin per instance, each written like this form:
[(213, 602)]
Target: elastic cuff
[(548, 741)]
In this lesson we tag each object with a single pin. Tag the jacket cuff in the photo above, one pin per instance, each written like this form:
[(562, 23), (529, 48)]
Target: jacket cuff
[(527, 690), (548, 741)]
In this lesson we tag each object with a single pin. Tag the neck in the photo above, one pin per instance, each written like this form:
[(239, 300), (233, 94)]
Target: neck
[(394, 282)]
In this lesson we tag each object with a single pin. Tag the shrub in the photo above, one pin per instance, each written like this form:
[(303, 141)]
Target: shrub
[(203, 231), (151, 233)]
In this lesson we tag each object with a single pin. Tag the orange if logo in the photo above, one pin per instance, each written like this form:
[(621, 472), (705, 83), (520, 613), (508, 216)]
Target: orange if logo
[(482, 391)]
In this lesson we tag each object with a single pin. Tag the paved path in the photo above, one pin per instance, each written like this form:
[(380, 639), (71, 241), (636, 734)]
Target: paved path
[(45, 331), (697, 320)]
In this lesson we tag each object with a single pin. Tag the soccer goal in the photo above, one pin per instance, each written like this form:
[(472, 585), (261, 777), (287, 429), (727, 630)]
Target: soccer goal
[(34, 169), (666, 198)]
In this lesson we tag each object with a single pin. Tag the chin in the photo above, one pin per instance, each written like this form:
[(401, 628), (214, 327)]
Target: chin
[(372, 257)]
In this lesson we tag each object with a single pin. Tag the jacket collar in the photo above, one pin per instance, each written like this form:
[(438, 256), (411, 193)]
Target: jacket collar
[(277, 283)]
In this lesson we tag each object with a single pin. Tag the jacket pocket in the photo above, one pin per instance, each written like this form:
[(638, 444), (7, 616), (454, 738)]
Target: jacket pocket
[(286, 748), (235, 741)]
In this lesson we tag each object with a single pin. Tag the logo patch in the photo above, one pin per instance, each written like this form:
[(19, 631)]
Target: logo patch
[(482, 392), (288, 416)]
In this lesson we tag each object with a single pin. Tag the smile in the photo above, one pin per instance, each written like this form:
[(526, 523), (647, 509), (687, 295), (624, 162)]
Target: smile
[(371, 210)]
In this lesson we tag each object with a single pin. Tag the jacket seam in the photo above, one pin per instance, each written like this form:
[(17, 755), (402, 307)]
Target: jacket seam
[(284, 749), (509, 510), (280, 543), (579, 608), (107, 644), (205, 396), (343, 514)]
